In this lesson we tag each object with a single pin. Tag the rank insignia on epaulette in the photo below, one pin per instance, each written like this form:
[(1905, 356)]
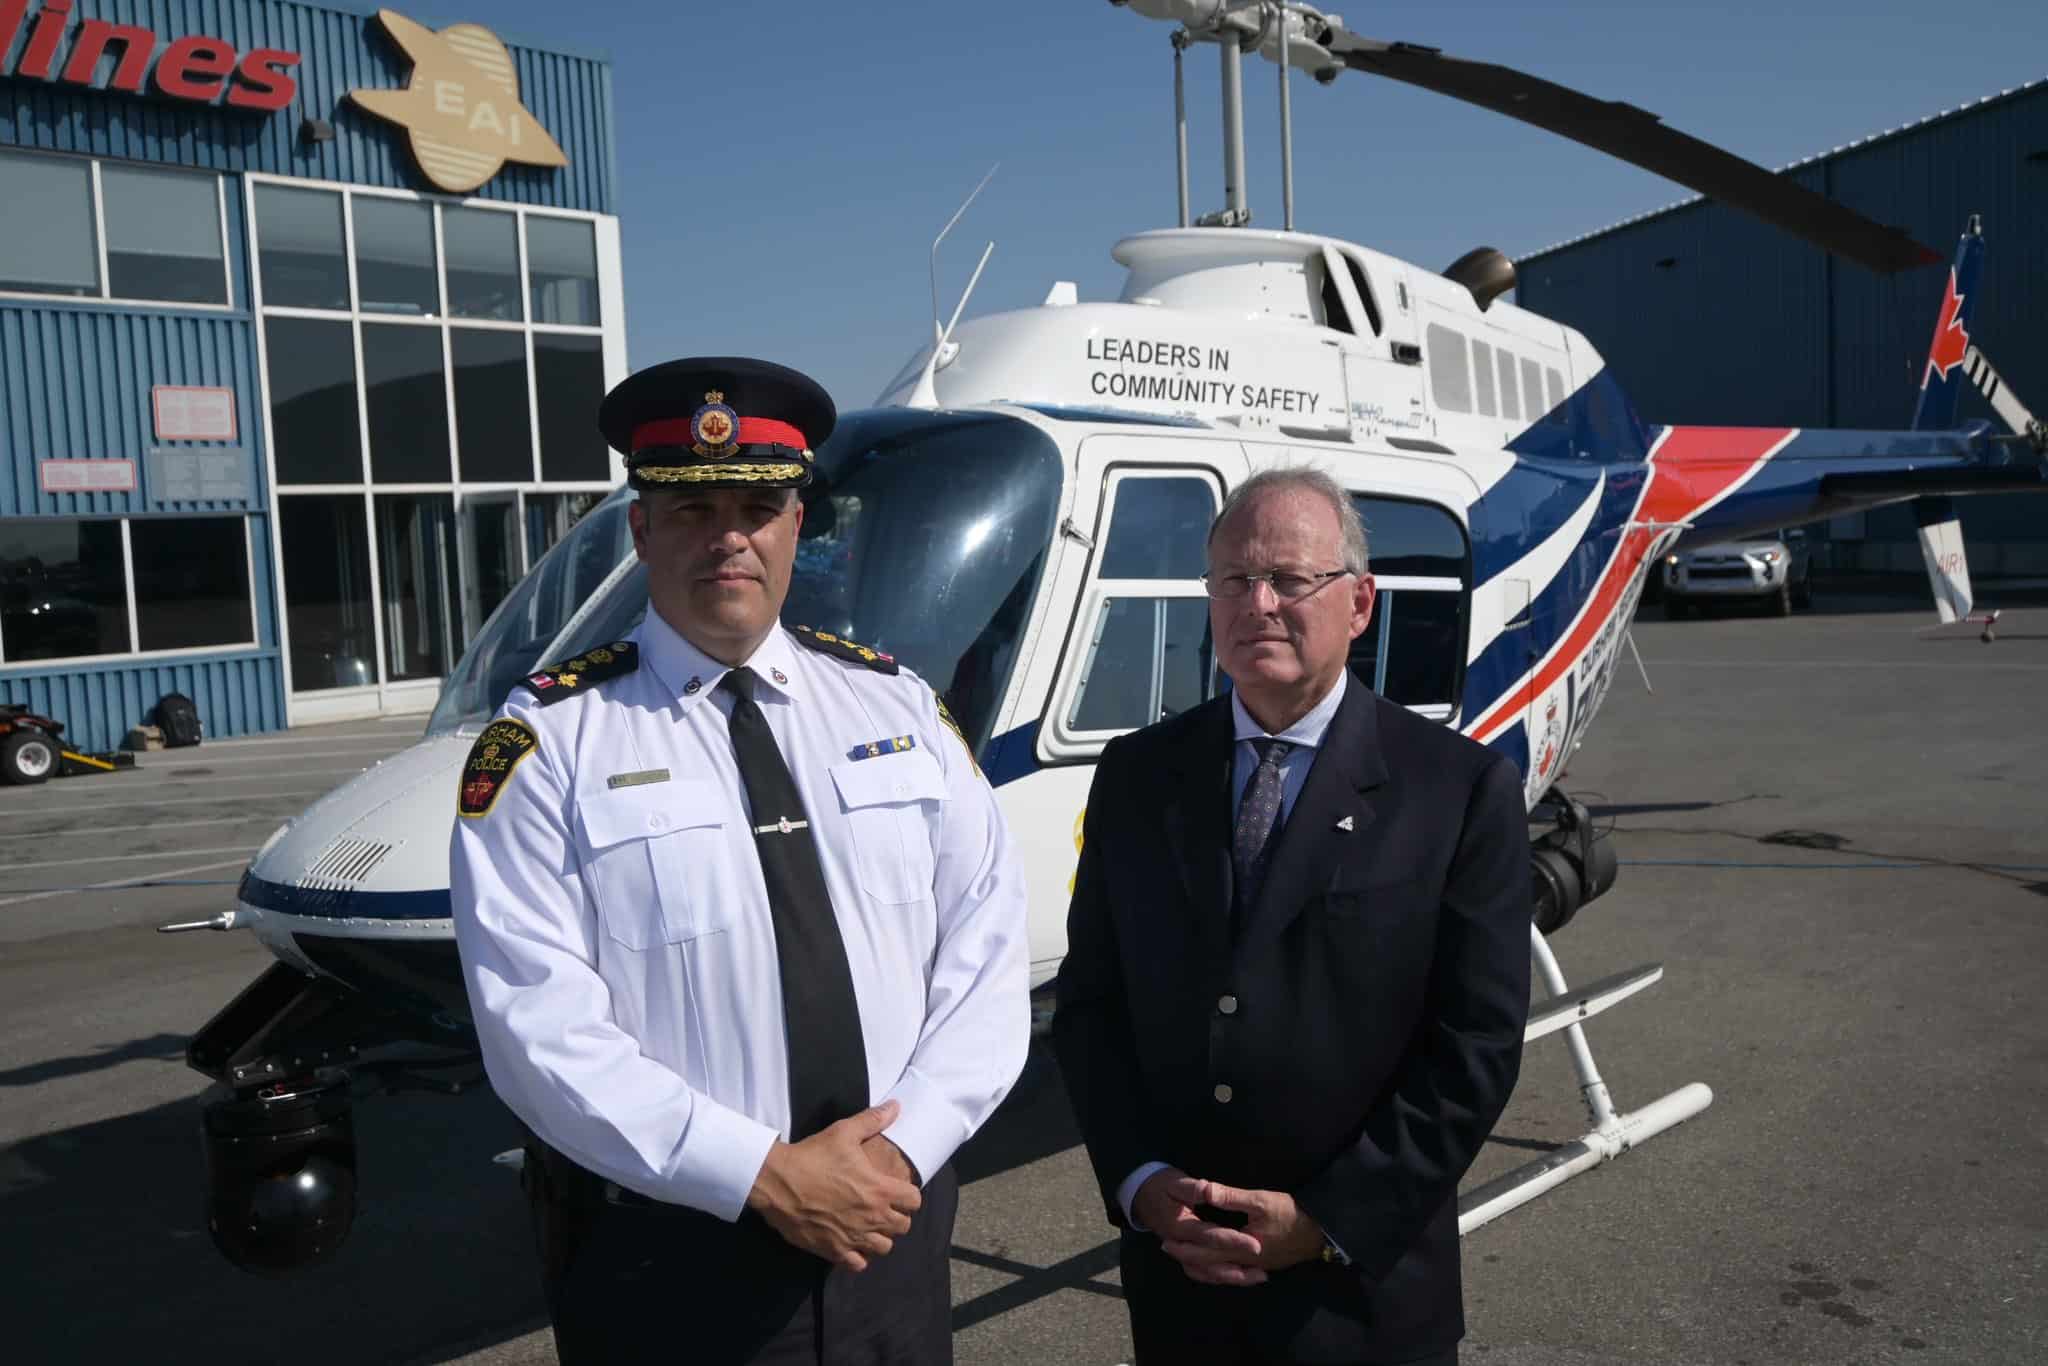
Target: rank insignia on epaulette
[(895, 744), (491, 761), (562, 680), (824, 642)]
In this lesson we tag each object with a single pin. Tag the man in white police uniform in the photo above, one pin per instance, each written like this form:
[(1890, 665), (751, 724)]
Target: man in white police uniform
[(742, 929)]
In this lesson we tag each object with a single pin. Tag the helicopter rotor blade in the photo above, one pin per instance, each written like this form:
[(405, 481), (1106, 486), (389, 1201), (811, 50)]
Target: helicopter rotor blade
[(1642, 139)]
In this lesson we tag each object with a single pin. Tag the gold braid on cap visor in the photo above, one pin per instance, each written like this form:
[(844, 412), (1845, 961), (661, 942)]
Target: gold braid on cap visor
[(731, 474)]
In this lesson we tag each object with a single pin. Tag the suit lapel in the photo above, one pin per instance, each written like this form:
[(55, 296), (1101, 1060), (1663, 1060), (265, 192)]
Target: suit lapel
[(1331, 821), (1196, 810)]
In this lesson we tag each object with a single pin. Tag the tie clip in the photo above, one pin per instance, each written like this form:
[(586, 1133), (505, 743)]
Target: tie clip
[(640, 779), (782, 827)]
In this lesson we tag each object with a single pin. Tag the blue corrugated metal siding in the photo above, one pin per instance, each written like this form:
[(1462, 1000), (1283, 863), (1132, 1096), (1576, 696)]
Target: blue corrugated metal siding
[(75, 382), (1748, 325), (236, 695), (1751, 325), (343, 50)]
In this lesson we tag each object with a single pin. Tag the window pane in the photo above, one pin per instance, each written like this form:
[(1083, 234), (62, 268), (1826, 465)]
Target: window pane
[(1532, 390), (492, 568), (163, 235), (407, 392), (568, 372), (191, 582), (313, 428), (299, 248), (1151, 659), (493, 428), (395, 256), (561, 263), (1450, 375), (1509, 405), (482, 247), (1412, 539), (327, 590), (62, 589), (416, 561), (1157, 529), (549, 517), (1425, 642), (46, 224), (1482, 375)]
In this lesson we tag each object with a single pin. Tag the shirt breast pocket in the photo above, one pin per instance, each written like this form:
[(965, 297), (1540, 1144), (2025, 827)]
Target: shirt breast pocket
[(655, 858), (889, 801)]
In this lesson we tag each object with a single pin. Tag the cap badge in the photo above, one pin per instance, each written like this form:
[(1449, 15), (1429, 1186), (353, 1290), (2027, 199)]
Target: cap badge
[(714, 428)]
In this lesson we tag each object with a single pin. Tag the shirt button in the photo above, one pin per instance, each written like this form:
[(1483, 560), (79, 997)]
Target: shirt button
[(656, 821), (1226, 1005), (1223, 1093)]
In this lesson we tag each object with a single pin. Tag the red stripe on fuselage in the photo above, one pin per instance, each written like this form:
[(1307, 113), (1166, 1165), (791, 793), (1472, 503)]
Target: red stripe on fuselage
[(1691, 468)]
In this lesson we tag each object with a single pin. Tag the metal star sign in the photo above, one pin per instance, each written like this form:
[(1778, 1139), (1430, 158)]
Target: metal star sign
[(460, 107)]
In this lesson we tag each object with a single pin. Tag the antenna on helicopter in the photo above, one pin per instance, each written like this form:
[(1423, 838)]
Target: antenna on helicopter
[(937, 333)]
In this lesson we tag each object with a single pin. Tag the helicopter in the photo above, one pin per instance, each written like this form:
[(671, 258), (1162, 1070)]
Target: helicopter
[(1019, 520)]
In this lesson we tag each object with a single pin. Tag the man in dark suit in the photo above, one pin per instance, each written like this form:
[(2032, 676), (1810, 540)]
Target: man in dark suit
[(1297, 975)]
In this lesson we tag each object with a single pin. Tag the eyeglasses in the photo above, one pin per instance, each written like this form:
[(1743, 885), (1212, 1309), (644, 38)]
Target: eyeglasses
[(1287, 586)]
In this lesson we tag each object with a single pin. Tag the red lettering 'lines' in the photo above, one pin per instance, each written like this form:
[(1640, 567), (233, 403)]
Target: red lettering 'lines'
[(195, 68)]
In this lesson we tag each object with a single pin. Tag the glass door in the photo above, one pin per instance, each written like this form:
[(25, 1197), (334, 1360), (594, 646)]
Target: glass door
[(491, 562)]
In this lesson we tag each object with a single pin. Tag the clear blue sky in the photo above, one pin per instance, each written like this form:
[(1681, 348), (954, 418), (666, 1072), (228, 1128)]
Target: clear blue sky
[(783, 167)]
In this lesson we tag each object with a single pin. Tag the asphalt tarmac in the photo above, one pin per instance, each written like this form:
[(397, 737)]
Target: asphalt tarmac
[(1834, 837)]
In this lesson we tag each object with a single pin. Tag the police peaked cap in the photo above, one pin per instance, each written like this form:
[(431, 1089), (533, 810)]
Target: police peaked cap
[(717, 422)]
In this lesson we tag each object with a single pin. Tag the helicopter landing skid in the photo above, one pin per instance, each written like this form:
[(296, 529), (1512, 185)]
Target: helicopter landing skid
[(1613, 1133)]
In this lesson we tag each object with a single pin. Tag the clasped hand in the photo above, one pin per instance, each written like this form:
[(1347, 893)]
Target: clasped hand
[(844, 1194), (1277, 1232)]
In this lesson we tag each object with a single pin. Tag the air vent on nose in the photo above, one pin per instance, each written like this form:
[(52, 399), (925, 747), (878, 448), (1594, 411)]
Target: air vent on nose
[(346, 863)]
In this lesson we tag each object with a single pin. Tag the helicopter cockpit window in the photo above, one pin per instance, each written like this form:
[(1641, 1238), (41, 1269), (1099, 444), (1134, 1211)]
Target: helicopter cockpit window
[(1413, 652), (524, 632), (924, 537), (1146, 647), (1450, 372), (1482, 376)]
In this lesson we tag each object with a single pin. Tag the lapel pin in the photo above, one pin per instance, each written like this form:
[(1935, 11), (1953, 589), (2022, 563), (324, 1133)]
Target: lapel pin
[(1344, 824)]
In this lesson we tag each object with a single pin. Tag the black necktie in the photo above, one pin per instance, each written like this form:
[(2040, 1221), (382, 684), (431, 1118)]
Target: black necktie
[(1258, 817), (828, 1067)]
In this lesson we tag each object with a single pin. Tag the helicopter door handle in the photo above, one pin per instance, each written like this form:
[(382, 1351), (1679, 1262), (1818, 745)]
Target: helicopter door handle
[(1407, 353)]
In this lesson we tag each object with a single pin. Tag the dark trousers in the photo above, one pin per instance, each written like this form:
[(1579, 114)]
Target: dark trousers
[(631, 1281)]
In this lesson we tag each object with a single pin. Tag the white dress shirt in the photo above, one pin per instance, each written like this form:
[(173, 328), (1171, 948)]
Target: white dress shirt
[(1306, 735), (617, 942)]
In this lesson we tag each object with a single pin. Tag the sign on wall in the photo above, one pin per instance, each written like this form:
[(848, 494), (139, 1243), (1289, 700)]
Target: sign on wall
[(184, 413), (193, 67), (460, 107), (86, 476)]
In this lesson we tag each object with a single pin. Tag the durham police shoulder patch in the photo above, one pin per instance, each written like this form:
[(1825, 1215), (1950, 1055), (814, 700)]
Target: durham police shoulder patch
[(573, 676), (841, 648), (491, 761)]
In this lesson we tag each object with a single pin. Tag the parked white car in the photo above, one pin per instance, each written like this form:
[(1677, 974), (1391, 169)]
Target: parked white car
[(1775, 570)]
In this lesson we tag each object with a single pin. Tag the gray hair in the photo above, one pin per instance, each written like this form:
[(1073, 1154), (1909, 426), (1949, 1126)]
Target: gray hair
[(1302, 479)]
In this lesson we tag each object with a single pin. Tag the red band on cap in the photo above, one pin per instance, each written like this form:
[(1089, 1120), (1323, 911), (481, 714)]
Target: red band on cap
[(753, 431)]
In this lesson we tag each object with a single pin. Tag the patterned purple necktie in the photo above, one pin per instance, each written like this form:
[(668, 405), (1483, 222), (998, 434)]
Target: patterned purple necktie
[(1258, 817)]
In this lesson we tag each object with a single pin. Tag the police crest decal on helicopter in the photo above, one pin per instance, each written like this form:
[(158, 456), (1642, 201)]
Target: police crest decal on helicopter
[(1020, 521)]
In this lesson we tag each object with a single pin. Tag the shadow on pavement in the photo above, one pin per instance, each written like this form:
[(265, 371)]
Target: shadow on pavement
[(106, 1222)]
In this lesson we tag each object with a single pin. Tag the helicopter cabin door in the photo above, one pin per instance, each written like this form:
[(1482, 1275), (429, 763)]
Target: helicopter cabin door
[(1138, 647)]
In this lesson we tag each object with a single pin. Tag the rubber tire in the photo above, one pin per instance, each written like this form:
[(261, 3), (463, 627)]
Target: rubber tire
[(1802, 594), (1781, 604), (1675, 608), (27, 757)]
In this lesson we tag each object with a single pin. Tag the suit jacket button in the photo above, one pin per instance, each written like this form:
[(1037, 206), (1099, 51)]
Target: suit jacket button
[(1226, 1005), (1223, 1093)]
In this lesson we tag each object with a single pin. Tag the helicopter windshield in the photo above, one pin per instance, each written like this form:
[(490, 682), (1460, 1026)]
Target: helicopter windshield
[(924, 536)]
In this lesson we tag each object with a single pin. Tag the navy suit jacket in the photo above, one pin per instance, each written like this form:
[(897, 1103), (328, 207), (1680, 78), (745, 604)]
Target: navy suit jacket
[(1381, 986)]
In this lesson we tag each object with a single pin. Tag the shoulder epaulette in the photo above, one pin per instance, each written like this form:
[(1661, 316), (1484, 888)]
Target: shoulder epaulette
[(841, 648), (573, 676)]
